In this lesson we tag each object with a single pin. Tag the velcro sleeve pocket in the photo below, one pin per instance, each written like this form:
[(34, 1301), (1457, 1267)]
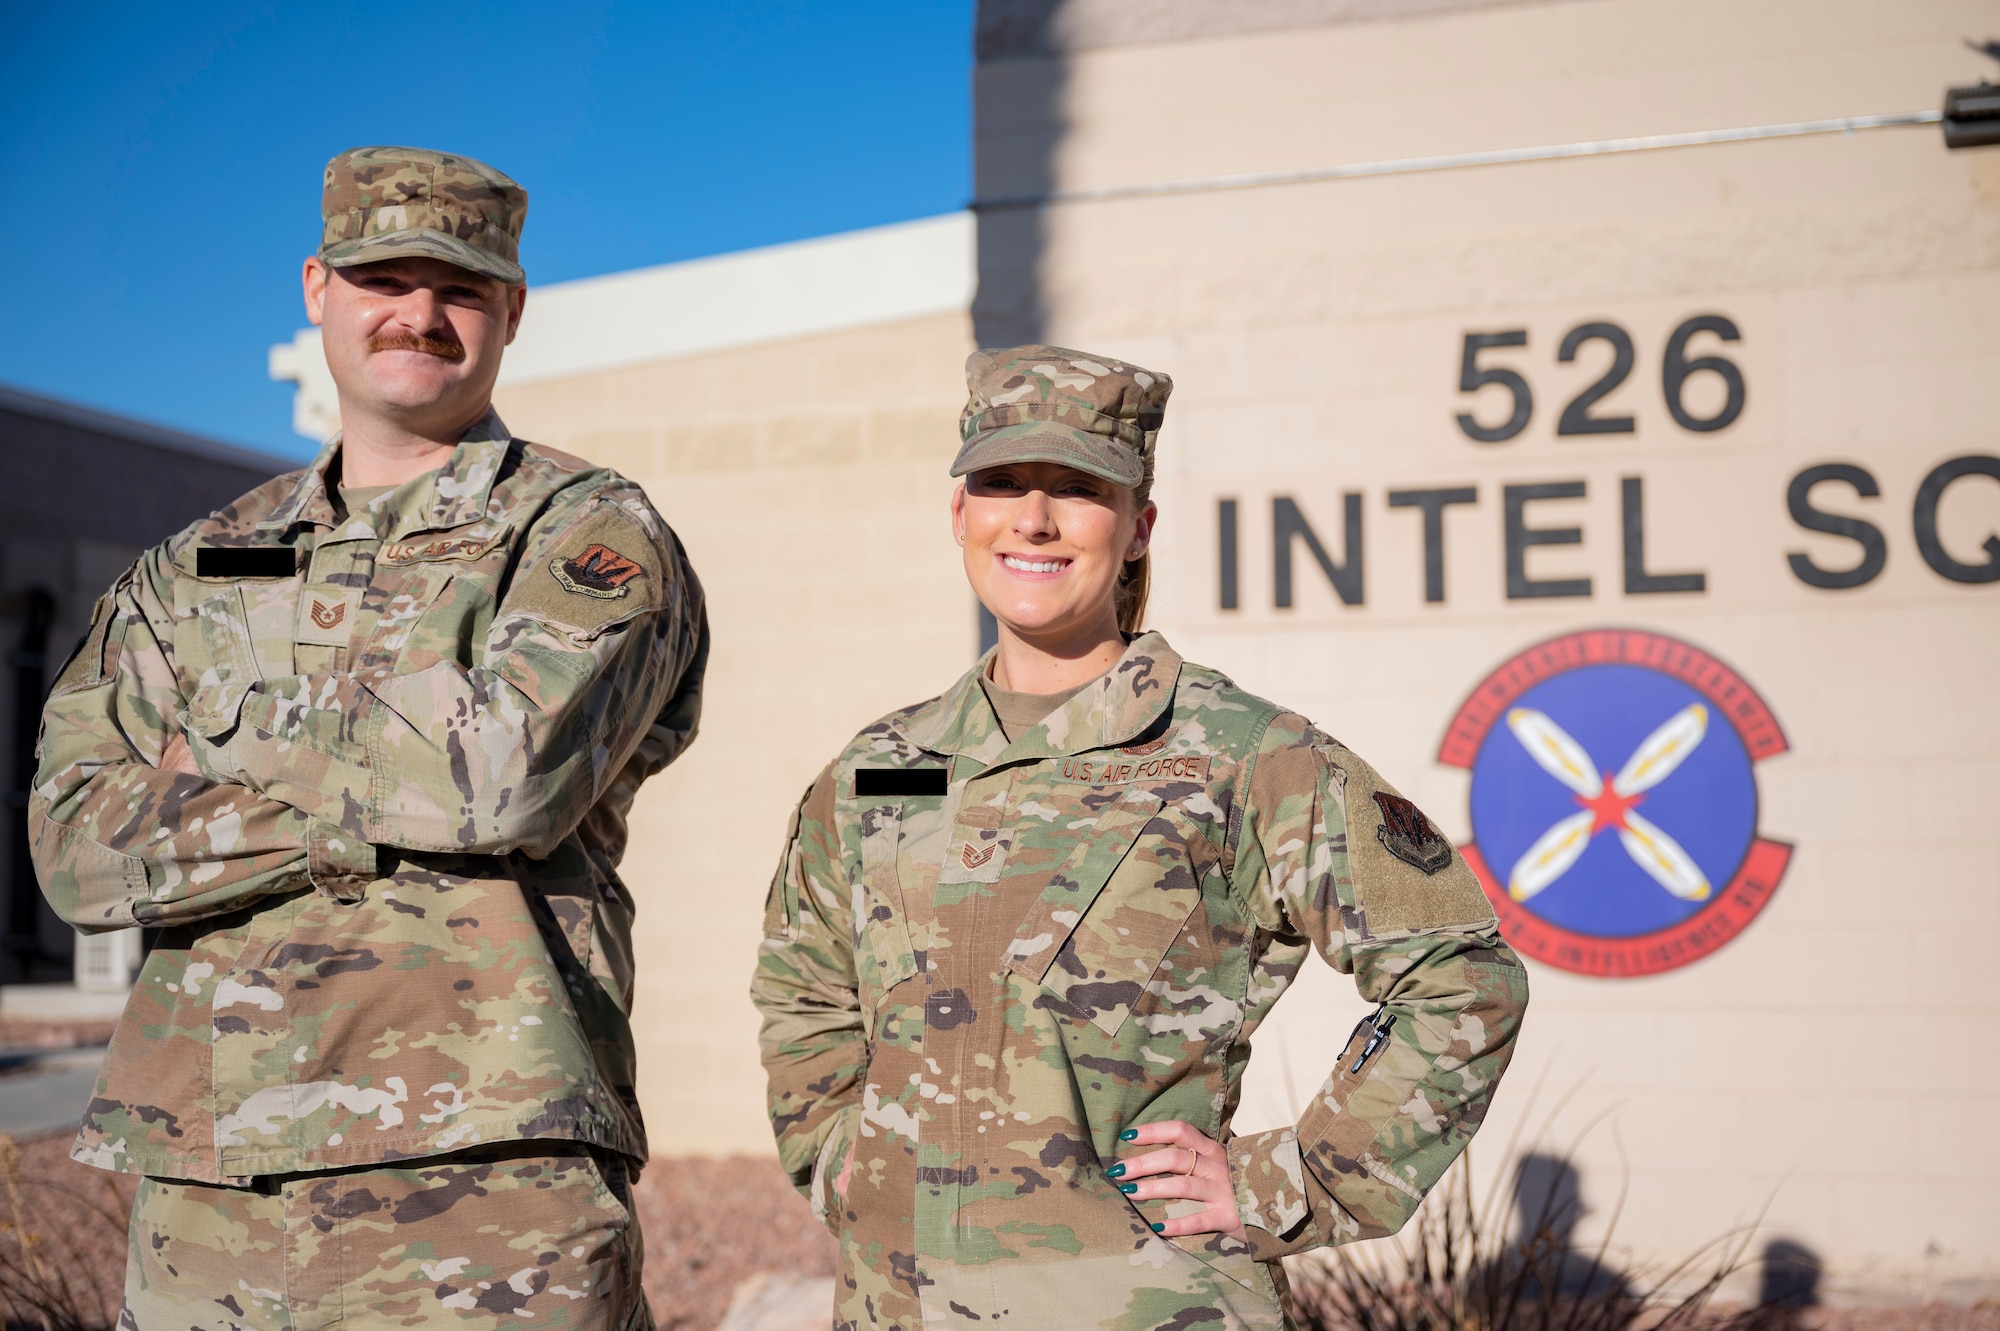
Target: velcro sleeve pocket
[(603, 571), (1406, 876), (781, 904), (95, 660)]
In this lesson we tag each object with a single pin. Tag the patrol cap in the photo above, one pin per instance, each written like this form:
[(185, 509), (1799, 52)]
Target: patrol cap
[(386, 203), (1050, 404)]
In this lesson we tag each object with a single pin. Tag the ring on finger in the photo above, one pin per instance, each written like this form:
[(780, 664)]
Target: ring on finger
[(1194, 1158)]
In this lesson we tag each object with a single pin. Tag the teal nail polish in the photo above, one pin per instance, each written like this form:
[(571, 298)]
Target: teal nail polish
[(1128, 1188), (1116, 1171), (1129, 1135), (1159, 1229)]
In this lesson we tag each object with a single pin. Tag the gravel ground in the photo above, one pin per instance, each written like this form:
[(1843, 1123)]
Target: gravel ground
[(709, 1224), (54, 1035), (1982, 1316), (712, 1224)]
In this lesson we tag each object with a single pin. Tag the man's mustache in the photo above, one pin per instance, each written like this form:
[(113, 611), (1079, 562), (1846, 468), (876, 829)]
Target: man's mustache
[(430, 346)]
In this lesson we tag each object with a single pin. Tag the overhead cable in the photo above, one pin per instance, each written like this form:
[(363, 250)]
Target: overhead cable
[(1398, 166)]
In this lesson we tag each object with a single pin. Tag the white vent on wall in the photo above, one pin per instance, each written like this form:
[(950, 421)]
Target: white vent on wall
[(105, 962)]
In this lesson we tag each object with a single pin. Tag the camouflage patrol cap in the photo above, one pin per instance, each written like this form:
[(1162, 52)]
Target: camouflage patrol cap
[(1051, 404), (385, 203)]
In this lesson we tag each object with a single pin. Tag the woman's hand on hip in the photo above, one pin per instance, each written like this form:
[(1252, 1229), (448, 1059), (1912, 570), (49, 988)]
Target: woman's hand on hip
[(1180, 1162)]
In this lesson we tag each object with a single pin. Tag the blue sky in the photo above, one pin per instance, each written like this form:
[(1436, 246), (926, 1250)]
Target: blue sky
[(160, 165)]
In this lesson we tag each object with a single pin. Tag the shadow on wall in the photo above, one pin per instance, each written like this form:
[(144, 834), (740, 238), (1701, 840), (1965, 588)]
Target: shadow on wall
[(1788, 1284), (1018, 122), (1018, 85), (1549, 1205)]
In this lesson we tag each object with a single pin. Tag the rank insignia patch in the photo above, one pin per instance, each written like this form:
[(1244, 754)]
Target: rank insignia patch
[(1409, 836), (599, 571), (326, 618)]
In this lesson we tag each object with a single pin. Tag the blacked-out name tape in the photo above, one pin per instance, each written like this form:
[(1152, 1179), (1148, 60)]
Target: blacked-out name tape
[(239, 561), (905, 781)]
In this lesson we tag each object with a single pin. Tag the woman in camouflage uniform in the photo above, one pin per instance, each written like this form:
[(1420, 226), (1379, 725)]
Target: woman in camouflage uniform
[(1022, 933)]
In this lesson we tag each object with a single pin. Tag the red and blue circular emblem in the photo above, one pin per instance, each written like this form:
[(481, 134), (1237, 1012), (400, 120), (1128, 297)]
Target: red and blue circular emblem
[(1614, 800)]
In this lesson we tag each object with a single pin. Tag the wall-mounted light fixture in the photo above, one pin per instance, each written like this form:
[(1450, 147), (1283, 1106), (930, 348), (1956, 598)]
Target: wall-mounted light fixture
[(1972, 115)]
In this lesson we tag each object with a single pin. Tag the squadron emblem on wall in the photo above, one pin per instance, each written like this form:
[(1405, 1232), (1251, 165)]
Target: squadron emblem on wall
[(1567, 743)]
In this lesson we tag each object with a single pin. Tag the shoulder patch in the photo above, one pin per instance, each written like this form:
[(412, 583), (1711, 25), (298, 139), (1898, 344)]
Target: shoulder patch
[(1407, 877), (1409, 836), (604, 570), (599, 571)]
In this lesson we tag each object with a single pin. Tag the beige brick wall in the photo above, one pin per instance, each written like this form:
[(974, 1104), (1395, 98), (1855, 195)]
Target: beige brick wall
[(1830, 1062), (807, 479)]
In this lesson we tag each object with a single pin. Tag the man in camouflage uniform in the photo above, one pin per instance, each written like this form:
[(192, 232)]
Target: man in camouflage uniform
[(991, 964), (361, 747)]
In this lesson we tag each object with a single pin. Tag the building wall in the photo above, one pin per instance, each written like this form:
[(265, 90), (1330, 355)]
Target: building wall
[(806, 477), (1821, 1064)]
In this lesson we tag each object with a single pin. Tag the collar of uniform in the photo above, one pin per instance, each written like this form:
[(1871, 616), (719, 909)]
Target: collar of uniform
[(1116, 709), (308, 501), (455, 495), (461, 487)]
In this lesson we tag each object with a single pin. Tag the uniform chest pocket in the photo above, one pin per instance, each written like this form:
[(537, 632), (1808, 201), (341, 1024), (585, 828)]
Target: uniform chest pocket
[(216, 653), (1109, 915), (401, 597), (883, 955), (433, 598)]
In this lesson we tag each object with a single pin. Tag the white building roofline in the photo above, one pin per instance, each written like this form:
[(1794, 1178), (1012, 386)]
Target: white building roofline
[(884, 274)]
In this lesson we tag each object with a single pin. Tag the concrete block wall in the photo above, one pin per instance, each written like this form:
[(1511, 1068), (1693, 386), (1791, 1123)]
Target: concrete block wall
[(807, 479), (1821, 1068)]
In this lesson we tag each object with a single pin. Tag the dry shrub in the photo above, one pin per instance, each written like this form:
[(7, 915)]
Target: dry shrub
[(62, 1240), (1458, 1268)]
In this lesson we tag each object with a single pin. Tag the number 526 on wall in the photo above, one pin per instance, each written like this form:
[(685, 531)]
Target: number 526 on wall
[(1694, 405), (1704, 391)]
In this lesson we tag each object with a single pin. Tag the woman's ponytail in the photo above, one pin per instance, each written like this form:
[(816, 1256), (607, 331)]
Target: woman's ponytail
[(1135, 580)]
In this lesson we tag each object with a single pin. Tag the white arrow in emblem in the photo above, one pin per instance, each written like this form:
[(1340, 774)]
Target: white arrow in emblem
[(1608, 802), (1661, 856), (1551, 855)]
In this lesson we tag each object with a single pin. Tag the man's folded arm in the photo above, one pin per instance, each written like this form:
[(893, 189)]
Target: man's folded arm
[(596, 634), (118, 841)]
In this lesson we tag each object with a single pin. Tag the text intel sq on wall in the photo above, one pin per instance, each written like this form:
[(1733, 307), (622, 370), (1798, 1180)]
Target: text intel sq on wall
[(1501, 402)]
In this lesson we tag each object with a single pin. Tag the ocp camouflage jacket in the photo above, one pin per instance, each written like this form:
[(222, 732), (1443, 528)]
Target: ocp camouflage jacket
[(984, 960), (391, 922)]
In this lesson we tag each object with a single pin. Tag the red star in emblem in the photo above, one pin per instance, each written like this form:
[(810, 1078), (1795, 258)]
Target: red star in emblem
[(1607, 807)]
